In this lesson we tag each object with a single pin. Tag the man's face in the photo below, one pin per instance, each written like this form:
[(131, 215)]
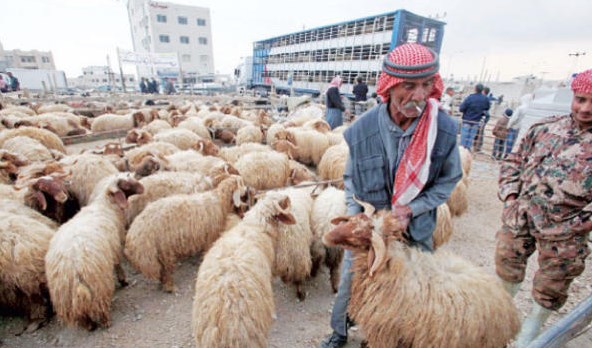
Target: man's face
[(411, 94), (450, 92), (581, 108)]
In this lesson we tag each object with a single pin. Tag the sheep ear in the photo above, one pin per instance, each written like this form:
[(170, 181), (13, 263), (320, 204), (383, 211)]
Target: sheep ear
[(376, 254), (286, 218), (118, 197), (339, 219)]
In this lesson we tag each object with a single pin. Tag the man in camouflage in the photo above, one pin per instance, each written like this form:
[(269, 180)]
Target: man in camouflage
[(546, 188)]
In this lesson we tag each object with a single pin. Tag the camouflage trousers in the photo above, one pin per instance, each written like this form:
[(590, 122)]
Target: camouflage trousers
[(560, 261)]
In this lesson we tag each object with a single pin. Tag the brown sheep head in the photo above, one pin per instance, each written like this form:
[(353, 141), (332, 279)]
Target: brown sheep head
[(138, 136), (10, 164), (286, 147), (49, 187), (148, 165), (176, 119), (282, 211), (122, 189), (225, 135), (113, 149), (321, 126), (139, 119), (299, 174), (207, 147), (85, 122)]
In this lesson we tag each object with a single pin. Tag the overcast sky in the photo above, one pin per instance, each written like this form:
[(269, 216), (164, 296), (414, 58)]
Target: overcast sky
[(504, 38)]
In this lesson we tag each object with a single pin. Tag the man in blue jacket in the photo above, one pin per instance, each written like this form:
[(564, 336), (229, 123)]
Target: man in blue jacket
[(403, 157), (474, 109)]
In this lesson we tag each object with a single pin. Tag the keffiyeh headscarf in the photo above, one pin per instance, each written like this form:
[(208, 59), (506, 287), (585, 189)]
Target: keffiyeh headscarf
[(409, 61), (336, 82), (582, 83)]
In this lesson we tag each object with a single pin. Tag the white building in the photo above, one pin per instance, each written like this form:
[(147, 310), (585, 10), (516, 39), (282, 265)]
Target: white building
[(163, 27), (96, 76), (32, 59)]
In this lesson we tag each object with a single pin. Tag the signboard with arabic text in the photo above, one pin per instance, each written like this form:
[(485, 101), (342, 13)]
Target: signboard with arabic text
[(158, 60)]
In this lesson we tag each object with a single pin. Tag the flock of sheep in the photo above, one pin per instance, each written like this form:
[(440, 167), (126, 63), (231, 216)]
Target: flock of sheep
[(253, 206)]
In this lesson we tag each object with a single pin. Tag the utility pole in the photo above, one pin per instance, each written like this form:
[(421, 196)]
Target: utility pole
[(576, 56)]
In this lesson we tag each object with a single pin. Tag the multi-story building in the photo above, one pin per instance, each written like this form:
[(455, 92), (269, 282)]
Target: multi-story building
[(97, 76), (307, 60), (163, 27), (27, 59)]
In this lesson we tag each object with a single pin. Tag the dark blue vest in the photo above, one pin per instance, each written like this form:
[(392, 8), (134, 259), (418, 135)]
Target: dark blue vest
[(371, 165)]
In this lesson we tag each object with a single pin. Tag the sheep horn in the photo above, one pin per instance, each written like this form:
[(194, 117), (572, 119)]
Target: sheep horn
[(377, 254), (236, 198), (368, 208)]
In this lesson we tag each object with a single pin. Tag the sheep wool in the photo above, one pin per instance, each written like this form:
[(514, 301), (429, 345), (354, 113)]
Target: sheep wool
[(233, 304), (192, 223), (45, 137), (264, 170), (443, 230), (332, 164), (87, 171), (249, 134), (29, 148), (458, 202)]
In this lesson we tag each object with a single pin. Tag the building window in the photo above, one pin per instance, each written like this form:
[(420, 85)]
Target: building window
[(28, 59), (164, 38), (186, 58), (184, 39), (182, 20), (45, 59), (203, 40), (201, 22), (161, 18)]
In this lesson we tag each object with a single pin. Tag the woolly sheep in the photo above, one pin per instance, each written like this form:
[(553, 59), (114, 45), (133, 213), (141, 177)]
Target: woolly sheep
[(249, 134), (10, 164), (232, 154), (272, 130), (158, 149), (87, 170), (184, 139), (192, 223), (53, 108), (45, 137), (332, 164), (303, 115), (138, 136), (156, 126), (23, 244), (197, 126), (233, 304), (434, 299), (293, 259), (328, 205), (310, 145), (319, 125), (466, 159), (458, 202), (264, 170), (300, 173), (29, 148), (16, 207), (164, 184), (59, 124), (112, 122), (192, 161), (84, 252), (9, 192)]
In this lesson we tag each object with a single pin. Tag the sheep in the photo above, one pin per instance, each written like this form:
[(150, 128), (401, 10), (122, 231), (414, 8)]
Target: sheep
[(233, 304), (328, 205), (232, 154), (165, 184), (264, 170), (443, 230), (57, 123), (84, 252), (319, 125), (184, 139), (466, 159), (303, 115), (249, 134), (29, 148), (45, 137), (332, 164), (158, 149), (458, 202), (293, 259), (53, 108), (271, 132), (87, 170), (9, 192), (192, 223), (113, 122), (23, 244), (197, 126), (225, 135), (138, 136), (17, 109), (300, 173), (192, 161), (9, 166), (156, 126), (16, 207), (434, 300), (310, 145)]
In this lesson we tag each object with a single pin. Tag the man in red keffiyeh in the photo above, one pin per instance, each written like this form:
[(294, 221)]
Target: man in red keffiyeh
[(402, 156), (546, 187)]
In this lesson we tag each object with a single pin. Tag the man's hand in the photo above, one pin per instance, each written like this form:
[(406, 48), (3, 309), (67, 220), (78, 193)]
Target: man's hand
[(403, 214)]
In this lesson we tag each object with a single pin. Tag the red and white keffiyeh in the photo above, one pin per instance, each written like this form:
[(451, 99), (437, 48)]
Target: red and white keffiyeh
[(582, 83), (412, 173)]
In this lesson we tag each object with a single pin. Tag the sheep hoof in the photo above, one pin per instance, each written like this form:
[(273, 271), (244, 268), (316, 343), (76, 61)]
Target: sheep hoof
[(301, 295), (170, 288), (123, 283)]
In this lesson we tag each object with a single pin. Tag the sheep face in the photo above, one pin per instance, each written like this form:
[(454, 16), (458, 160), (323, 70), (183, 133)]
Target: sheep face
[(147, 166), (52, 187), (113, 149), (176, 119), (282, 212), (123, 189), (322, 126), (225, 135), (139, 119), (132, 136), (299, 175), (207, 147), (10, 163), (286, 147)]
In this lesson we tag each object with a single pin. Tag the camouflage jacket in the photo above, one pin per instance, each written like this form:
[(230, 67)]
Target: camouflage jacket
[(552, 175)]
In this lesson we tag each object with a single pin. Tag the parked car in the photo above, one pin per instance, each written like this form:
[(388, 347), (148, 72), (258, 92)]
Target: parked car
[(547, 102)]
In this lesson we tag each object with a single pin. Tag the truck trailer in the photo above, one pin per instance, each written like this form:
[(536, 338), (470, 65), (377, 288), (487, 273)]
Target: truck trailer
[(305, 62)]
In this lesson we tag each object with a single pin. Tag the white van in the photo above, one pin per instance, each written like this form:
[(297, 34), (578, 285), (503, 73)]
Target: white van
[(547, 102)]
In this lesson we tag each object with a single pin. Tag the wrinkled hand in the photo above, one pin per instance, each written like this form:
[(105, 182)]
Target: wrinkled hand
[(402, 213)]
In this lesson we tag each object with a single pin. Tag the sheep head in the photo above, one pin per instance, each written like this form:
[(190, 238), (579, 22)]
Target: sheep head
[(299, 174), (10, 163), (148, 165), (207, 147), (113, 149), (286, 147), (49, 186), (176, 119), (139, 119), (122, 189), (225, 135)]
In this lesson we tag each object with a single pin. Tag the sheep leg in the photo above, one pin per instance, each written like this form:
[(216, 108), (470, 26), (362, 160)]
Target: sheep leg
[(334, 278), (37, 315), (166, 278), (300, 293), (121, 276), (316, 265)]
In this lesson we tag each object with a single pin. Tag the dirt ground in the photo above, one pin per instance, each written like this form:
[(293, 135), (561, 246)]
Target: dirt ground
[(144, 316)]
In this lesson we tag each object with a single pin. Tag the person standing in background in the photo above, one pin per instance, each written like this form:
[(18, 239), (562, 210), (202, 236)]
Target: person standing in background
[(335, 107), (360, 92), (473, 109), (447, 98)]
